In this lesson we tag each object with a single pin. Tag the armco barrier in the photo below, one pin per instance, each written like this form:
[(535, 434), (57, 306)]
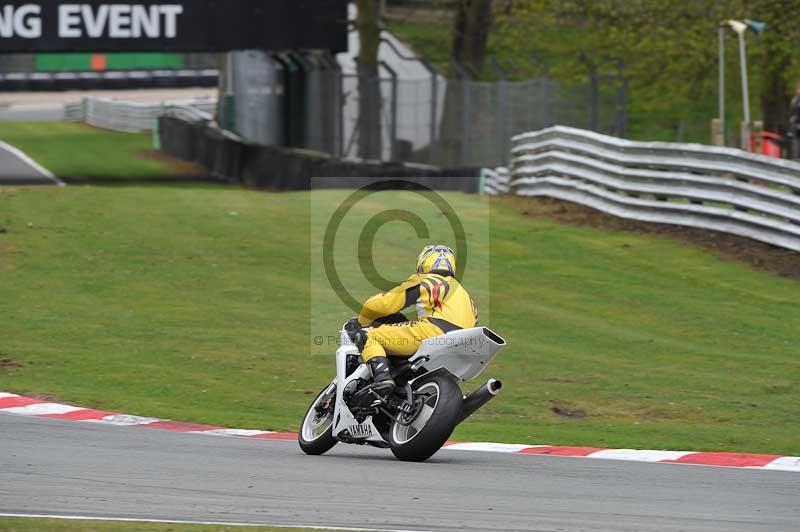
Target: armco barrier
[(495, 180), (721, 189), (196, 139), (119, 115)]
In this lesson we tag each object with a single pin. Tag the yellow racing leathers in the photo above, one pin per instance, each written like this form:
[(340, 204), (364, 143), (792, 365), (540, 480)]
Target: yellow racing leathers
[(442, 305)]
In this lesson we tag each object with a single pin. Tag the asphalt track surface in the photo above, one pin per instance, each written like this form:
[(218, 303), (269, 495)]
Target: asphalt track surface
[(32, 112), (16, 168), (84, 469)]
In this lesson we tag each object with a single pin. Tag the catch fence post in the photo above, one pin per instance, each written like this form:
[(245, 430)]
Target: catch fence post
[(593, 97), (393, 112), (547, 103), (465, 112)]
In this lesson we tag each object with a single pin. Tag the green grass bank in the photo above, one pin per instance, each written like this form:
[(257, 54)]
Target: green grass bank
[(77, 151), (195, 303)]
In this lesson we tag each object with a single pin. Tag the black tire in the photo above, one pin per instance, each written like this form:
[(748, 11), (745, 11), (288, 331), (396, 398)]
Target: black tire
[(323, 442), (438, 427)]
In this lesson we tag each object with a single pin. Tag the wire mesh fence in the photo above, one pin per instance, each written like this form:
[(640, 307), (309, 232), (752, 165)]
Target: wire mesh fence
[(306, 101)]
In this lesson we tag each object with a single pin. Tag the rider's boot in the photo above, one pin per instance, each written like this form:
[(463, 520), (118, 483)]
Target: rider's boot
[(382, 382)]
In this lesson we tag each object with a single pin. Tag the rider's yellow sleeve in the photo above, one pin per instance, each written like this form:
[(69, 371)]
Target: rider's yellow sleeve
[(390, 302)]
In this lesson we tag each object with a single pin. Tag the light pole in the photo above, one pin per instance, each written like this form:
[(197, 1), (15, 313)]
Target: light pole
[(740, 28)]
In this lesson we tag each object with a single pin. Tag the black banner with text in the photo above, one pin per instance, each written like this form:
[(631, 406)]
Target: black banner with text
[(172, 25)]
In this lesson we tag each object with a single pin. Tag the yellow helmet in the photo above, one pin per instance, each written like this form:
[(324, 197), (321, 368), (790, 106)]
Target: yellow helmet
[(437, 259)]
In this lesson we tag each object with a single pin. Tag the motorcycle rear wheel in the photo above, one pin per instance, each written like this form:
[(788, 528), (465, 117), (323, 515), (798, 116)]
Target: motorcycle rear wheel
[(316, 432), (438, 416)]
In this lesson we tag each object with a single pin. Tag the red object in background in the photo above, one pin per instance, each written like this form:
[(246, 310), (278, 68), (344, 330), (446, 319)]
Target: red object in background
[(771, 144), (98, 62)]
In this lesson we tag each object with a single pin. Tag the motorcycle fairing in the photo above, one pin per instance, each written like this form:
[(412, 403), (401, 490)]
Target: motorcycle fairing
[(464, 353), (343, 419)]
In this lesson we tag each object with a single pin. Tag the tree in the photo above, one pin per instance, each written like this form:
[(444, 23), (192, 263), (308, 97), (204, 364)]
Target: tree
[(775, 54), (471, 28), (370, 145), (471, 32), (668, 50)]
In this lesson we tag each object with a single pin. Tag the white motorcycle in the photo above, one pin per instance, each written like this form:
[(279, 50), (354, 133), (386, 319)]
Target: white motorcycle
[(417, 418)]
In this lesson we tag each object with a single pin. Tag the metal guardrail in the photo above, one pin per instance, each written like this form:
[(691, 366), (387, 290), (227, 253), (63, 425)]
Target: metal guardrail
[(707, 187), (189, 113), (495, 181), (128, 116)]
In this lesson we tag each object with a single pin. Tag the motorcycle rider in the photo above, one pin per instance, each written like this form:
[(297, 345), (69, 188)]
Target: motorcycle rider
[(442, 305)]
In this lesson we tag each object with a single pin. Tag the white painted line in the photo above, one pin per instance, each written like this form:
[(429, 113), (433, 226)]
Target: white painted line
[(125, 420), (488, 447), (232, 432), (785, 463), (4, 394), (638, 455), (41, 409), (19, 154), (207, 523)]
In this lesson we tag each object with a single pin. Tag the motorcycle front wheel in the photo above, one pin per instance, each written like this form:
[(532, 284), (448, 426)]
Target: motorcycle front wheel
[(316, 431), (437, 415)]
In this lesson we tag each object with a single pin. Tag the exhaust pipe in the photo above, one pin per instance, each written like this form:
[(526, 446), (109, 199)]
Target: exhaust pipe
[(480, 397)]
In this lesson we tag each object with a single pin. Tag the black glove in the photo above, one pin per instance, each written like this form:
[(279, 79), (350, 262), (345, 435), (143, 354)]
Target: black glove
[(360, 339), (356, 332), (352, 327)]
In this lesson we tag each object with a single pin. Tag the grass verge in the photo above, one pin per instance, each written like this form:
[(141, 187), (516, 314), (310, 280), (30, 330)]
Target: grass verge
[(62, 525), (193, 303), (77, 151)]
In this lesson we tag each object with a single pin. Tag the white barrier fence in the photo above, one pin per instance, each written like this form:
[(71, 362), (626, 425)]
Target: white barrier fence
[(495, 180), (119, 115), (722, 189)]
